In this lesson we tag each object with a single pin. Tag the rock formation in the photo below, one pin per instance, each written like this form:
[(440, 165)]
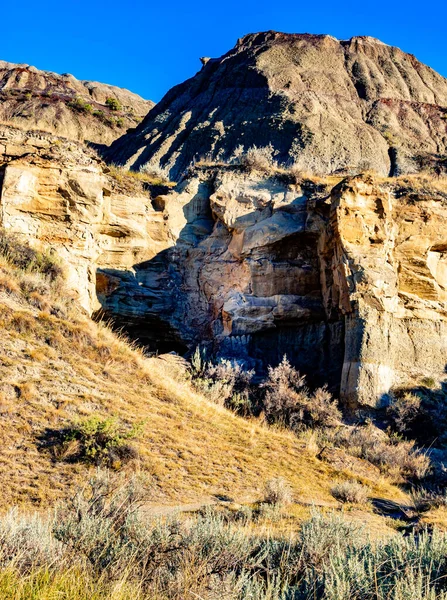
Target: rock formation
[(349, 280), (57, 193), (346, 274), (33, 99), (324, 104)]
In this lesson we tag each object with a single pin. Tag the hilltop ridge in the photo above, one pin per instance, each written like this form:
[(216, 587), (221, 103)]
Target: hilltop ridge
[(320, 103)]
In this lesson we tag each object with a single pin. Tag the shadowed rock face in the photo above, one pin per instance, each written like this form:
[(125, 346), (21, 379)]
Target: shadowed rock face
[(34, 99), (322, 103)]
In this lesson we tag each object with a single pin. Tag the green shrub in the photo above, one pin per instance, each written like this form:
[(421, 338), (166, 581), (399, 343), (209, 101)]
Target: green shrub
[(99, 441), (113, 104), (103, 537), (80, 105)]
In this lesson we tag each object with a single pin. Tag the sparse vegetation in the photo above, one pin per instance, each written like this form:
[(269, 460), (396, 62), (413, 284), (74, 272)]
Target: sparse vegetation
[(394, 456), (351, 491), (101, 546), (28, 259), (151, 176), (113, 104), (57, 367)]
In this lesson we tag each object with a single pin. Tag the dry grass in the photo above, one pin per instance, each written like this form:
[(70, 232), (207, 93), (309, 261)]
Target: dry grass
[(57, 366), (125, 176), (351, 492)]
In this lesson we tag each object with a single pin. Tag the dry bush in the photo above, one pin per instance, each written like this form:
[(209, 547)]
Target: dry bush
[(424, 500), (404, 412), (259, 159), (226, 383), (155, 172), (26, 258), (351, 492), (277, 491), (399, 458), (288, 401)]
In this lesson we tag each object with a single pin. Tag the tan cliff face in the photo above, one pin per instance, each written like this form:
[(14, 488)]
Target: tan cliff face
[(59, 194), (65, 106), (348, 280)]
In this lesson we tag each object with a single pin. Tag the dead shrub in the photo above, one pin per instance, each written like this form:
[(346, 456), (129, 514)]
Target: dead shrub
[(288, 401), (259, 158), (226, 383), (405, 411), (391, 454), (24, 257), (351, 492), (277, 491), (8, 284)]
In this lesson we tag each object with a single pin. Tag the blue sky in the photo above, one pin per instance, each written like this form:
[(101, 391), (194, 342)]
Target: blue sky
[(148, 47)]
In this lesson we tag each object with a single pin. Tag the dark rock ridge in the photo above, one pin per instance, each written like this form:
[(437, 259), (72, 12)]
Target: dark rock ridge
[(40, 100), (322, 103)]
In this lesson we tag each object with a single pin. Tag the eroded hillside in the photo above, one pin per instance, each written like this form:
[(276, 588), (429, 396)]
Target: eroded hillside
[(61, 104), (345, 276), (318, 102), (58, 368)]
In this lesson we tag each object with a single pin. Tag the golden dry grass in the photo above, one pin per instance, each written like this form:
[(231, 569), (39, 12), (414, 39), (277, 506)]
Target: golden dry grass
[(126, 176), (57, 368)]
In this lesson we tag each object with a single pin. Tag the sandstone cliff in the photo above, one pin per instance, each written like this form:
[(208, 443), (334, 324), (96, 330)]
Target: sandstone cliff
[(321, 103), (348, 279), (34, 99)]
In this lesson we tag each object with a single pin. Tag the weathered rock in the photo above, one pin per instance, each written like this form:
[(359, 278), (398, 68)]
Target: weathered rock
[(321, 103), (56, 192), (350, 285), (349, 282), (33, 99)]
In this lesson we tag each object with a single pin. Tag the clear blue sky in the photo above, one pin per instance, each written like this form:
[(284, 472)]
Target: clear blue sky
[(149, 46)]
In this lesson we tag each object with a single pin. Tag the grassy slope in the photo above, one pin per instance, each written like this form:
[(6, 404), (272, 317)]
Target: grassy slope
[(55, 368)]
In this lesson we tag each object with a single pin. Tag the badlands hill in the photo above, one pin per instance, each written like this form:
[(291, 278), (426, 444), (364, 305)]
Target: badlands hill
[(66, 106), (321, 103), (345, 273)]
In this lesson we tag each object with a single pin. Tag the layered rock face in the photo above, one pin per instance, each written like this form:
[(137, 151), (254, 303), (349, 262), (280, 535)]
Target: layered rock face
[(58, 194), (33, 99), (321, 103), (348, 280)]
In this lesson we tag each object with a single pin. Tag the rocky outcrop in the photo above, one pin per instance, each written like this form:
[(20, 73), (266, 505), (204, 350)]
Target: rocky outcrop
[(349, 279), (324, 104), (57, 193), (33, 99), (350, 283)]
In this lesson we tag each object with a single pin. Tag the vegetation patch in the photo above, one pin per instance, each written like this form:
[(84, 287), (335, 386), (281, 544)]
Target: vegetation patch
[(101, 545), (95, 440)]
